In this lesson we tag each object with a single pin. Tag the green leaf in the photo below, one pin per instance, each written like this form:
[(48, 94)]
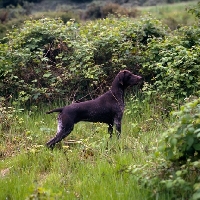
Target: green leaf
[(47, 75), (196, 196), (197, 147), (173, 141), (189, 140), (197, 131), (178, 173)]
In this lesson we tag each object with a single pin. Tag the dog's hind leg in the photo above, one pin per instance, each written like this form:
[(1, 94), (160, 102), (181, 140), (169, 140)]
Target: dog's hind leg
[(62, 132), (59, 136)]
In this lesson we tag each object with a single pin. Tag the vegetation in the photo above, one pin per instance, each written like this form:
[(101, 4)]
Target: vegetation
[(174, 166), (47, 55), (91, 166), (11, 16), (174, 15), (47, 59), (5, 3)]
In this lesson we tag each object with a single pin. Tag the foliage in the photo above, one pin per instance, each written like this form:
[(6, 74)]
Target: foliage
[(174, 15), (173, 64), (84, 159), (44, 56), (113, 8), (47, 58), (195, 10), (95, 11), (42, 193), (182, 139), (15, 16), (8, 116), (24, 65), (174, 167), (5, 3)]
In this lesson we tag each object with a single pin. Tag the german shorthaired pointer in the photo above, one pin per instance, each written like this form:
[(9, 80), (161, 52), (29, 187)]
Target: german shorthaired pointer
[(107, 108)]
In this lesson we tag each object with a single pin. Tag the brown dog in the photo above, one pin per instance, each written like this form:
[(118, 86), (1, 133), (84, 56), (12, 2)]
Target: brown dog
[(107, 108)]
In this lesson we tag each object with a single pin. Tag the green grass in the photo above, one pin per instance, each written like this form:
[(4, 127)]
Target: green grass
[(93, 168), (173, 15)]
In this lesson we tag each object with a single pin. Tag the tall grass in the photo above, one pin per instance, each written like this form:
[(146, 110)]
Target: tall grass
[(93, 167), (174, 15)]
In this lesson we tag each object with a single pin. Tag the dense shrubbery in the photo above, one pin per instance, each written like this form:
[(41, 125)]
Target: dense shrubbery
[(172, 15), (25, 70), (47, 58), (181, 141), (175, 165), (174, 63)]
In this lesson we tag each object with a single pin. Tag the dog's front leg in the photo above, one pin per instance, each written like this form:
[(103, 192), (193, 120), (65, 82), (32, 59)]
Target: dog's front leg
[(117, 123), (118, 128)]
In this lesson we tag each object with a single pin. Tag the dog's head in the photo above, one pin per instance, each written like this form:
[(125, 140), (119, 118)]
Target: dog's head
[(126, 78)]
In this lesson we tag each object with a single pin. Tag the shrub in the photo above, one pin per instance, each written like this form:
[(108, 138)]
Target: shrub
[(173, 64), (25, 71), (3, 15), (181, 141), (64, 15), (47, 58), (195, 10), (8, 116), (114, 8), (110, 8), (95, 11), (174, 167)]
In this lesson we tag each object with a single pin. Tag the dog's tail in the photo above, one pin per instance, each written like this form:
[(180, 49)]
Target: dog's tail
[(55, 110)]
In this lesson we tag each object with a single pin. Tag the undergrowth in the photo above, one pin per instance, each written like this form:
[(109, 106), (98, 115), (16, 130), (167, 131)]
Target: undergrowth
[(174, 165), (87, 164)]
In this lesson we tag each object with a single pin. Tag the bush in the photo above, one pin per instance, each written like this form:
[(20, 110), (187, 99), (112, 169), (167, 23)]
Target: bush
[(47, 59), (25, 70), (182, 140), (8, 116), (173, 65), (174, 167), (195, 10), (15, 16), (95, 11)]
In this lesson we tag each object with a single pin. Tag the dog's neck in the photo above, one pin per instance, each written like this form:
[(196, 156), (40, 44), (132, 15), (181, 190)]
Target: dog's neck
[(117, 91)]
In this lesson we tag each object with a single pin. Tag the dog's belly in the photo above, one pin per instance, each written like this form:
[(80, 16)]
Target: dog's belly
[(105, 119), (94, 116)]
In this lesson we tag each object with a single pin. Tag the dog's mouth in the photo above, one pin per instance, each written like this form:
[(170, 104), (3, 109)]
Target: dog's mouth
[(140, 81), (137, 81)]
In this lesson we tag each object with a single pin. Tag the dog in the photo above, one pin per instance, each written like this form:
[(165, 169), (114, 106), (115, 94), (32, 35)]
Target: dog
[(107, 108)]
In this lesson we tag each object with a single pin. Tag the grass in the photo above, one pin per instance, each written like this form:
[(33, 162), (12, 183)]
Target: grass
[(173, 15), (94, 167)]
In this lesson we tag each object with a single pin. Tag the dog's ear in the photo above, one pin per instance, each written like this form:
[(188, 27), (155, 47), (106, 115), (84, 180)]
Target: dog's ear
[(121, 77)]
